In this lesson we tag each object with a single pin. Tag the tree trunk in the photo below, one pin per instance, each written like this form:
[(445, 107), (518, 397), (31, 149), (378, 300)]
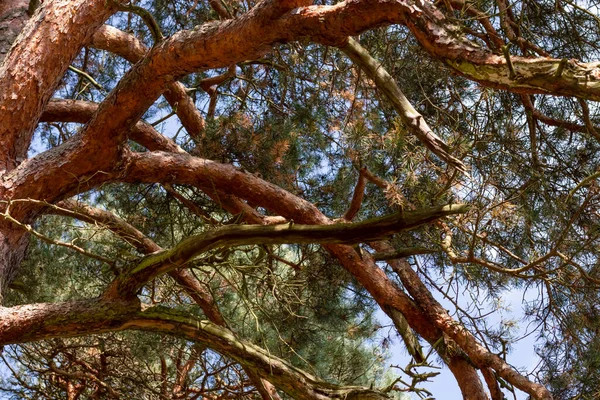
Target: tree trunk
[(13, 246)]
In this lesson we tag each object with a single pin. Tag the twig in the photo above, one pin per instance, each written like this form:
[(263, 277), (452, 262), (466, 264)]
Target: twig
[(6, 215), (357, 198), (88, 77)]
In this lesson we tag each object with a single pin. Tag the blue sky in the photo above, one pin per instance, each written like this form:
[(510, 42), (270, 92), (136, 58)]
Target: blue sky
[(522, 356)]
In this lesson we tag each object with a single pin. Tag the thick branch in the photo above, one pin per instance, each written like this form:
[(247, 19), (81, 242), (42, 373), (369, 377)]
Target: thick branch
[(127, 284), (222, 44), (62, 25), (59, 110), (184, 278), (43, 321), (130, 48)]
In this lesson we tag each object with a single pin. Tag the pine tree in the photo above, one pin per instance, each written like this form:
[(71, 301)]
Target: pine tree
[(213, 200)]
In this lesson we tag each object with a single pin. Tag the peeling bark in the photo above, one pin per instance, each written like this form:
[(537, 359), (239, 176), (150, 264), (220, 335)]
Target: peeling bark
[(127, 46)]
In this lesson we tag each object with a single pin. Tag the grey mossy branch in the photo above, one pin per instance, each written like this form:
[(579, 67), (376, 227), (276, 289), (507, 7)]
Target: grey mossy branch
[(159, 263), (411, 117)]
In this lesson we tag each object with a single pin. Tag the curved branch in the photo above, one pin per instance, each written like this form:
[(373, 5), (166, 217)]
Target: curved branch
[(357, 198), (61, 25), (222, 44), (128, 283), (184, 278), (42, 321), (59, 110), (130, 48)]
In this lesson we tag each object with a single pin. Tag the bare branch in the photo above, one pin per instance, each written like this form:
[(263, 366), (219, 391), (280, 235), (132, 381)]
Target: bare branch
[(411, 117), (467, 342), (359, 194)]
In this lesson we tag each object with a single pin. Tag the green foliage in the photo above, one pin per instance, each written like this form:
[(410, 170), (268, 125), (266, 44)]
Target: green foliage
[(305, 119)]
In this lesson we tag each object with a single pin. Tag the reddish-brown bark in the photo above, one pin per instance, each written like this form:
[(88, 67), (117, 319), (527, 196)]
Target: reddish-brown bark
[(81, 111), (98, 154), (13, 245), (131, 49), (206, 174), (467, 342), (50, 39)]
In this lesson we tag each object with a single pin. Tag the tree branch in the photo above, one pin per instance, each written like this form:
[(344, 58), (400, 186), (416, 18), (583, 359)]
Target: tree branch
[(209, 175), (130, 48), (59, 110), (216, 45), (43, 321), (409, 116), (467, 342), (62, 25), (357, 198), (152, 266)]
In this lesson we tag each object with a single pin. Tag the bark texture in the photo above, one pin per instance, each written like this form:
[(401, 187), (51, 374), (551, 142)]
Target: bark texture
[(31, 69)]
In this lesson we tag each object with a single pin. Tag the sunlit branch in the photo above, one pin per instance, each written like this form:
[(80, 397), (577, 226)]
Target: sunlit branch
[(130, 48), (411, 118), (59, 110)]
